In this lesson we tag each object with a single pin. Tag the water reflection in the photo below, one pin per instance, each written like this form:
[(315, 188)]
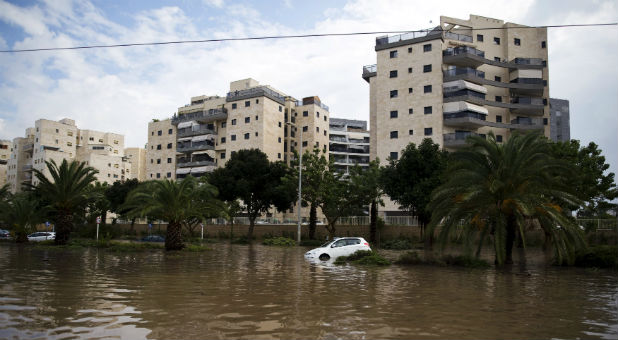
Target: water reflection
[(266, 292)]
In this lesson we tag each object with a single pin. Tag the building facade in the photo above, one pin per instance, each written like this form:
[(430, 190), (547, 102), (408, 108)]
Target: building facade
[(58, 140), (5, 154), (348, 143), (161, 150), (560, 130), (137, 158), (463, 78)]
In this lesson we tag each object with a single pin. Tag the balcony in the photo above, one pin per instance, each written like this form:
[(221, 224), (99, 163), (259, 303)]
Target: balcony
[(457, 139), (260, 91), (464, 92), (195, 146), (195, 131), (537, 62), (528, 86), (369, 71), (464, 56), (28, 147), (528, 105), (527, 123), (465, 119), (27, 167), (458, 37), (201, 116), (187, 162), (465, 73)]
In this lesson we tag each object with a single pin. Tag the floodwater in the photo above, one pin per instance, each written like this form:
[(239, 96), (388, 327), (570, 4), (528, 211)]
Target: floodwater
[(258, 292)]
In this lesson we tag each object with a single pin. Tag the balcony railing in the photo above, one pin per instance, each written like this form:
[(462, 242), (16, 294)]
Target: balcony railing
[(464, 92), (528, 61), (464, 70), (206, 115), (402, 37), (190, 146), (188, 163), (465, 114), (527, 100), (531, 81), (260, 91), (195, 130), (28, 146), (527, 121), (463, 50), (457, 36)]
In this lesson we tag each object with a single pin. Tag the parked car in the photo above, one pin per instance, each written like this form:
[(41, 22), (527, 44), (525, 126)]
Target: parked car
[(4, 234), (153, 238), (42, 236), (344, 246)]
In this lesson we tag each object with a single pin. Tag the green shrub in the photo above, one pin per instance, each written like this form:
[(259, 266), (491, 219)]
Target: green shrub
[(410, 257), (598, 256), (397, 244), (311, 243), (279, 241), (363, 257)]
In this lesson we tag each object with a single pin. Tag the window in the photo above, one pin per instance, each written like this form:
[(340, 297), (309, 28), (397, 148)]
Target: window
[(517, 42), (304, 144), (222, 140), (411, 132), (394, 94), (100, 140), (497, 59), (158, 160), (427, 48), (222, 155), (324, 132), (499, 99), (317, 129), (57, 131), (409, 70), (426, 68), (498, 119), (393, 74), (152, 134), (393, 54), (169, 161), (496, 78), (159, 147), (496, 41), (394, 134), (170, 131), (169, 175), (69, 144), (158, 175), (317, 114), (279, 139), (325, 118), (394, 114), (280, 126), (223, 125), (279, 155), (159, 133), (305, 113), (257, 101), (479, 37), (428, 131), (545, 121), (233, 121), (256, 133), (409, 49), (247, 119), (394, 155), (247, 103), (428, 110), (169, 145), (246, 136), (410, 90), (92, 138), (499, 138), (280, 109), (233, 137), (257, 118), (305, 128), (234, 106), (427, 89), (410, 111), (543, 44)]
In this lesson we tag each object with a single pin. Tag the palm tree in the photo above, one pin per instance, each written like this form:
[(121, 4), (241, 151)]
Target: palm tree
[(66, 191), (493, 189), (22, 212), (175, 202)]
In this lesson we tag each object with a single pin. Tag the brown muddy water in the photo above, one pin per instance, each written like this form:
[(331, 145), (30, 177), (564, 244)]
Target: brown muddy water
[(258, 292)]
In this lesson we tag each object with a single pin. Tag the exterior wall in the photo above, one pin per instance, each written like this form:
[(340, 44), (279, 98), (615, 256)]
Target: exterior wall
[(20, 164), (161, 150), (111, 168), (5, 155), (560, 120), (349, 143), (137, 158)]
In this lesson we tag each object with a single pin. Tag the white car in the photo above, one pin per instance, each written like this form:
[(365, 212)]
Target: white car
[(42, 236), (344, 246)]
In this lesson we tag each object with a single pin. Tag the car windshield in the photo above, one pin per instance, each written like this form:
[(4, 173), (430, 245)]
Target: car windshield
[(326, 244)]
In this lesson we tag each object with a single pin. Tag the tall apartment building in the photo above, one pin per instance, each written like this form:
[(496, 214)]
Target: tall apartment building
[(560, 130), (51, 140), (5, 154), (348, 143), (465, 77), (137, 158), (207, 131), (462, 78)]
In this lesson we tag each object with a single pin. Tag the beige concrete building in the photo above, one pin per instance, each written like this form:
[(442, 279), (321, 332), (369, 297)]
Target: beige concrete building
[(58, 140), (5, 154), (161, 150), (137, 158), (348, 143), (465, 77)]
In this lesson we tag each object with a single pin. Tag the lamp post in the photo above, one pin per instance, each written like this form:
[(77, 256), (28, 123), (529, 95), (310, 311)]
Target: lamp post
[(300, 176)]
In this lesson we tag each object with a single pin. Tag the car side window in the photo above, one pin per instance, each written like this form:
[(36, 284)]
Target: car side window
[(339, 243), (351, 242)]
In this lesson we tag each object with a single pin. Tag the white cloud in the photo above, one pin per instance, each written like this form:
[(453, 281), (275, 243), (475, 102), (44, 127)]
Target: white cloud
[(213, 3)]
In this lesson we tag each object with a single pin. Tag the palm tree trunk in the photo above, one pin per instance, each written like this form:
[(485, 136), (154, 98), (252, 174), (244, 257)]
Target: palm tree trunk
[(510, 240), (173, 238), (64, 225), (251, 227), (313, 217), (373, 224)]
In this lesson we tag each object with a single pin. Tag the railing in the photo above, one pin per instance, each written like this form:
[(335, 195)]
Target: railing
[(200, 115), (402, 37), (337, 139), (532, 81), (527, 121), (456, 36), (464, 70), (388, 220), (183, 147), (370, 68), (463, 50), (255, 92), (465, 114), (528, 61), (194, 163), (595, 224), (458, 136), (28, 146), (527, 100), (192, 131), (320, 104), (464, 92)]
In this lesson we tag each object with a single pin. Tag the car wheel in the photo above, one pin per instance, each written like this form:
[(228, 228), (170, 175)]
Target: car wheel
[(324, 257)]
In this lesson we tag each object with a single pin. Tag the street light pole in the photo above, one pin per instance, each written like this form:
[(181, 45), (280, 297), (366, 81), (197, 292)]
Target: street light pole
[(300, 175)]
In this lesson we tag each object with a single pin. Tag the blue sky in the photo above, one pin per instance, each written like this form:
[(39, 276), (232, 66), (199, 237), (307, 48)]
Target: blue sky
[(121, 89)]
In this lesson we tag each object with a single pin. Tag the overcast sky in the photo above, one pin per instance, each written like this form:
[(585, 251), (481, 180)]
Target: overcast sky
[(121, 89)]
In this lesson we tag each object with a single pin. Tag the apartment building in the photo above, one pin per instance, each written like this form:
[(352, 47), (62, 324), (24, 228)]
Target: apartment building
[(462, 78), (137, 158), (204, 133), (5, 154), (560, 125), (57, 140), (348, 143)]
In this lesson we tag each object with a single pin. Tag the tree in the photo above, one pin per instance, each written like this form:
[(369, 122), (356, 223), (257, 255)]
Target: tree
[(22, 212), (230, 211), (366, 186), (66, 192), (589, 180), (117, 194), (175, 202), (312, 179), (410, 180), (98, 205), (258, 183), (494, 189)]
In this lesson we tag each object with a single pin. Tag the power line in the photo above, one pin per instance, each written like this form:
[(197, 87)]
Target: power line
[(282, 37)]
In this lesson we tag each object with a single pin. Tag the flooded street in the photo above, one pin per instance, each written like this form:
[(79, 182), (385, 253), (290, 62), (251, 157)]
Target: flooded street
[(260, 292)]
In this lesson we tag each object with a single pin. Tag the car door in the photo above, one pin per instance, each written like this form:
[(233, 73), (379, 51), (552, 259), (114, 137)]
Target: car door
[(338, 248)]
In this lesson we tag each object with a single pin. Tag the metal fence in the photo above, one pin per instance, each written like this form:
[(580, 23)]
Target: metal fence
[(593, 224)]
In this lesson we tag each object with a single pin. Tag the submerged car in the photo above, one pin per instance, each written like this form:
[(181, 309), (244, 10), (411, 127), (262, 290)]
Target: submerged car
[(42, 236), (344, 246)]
